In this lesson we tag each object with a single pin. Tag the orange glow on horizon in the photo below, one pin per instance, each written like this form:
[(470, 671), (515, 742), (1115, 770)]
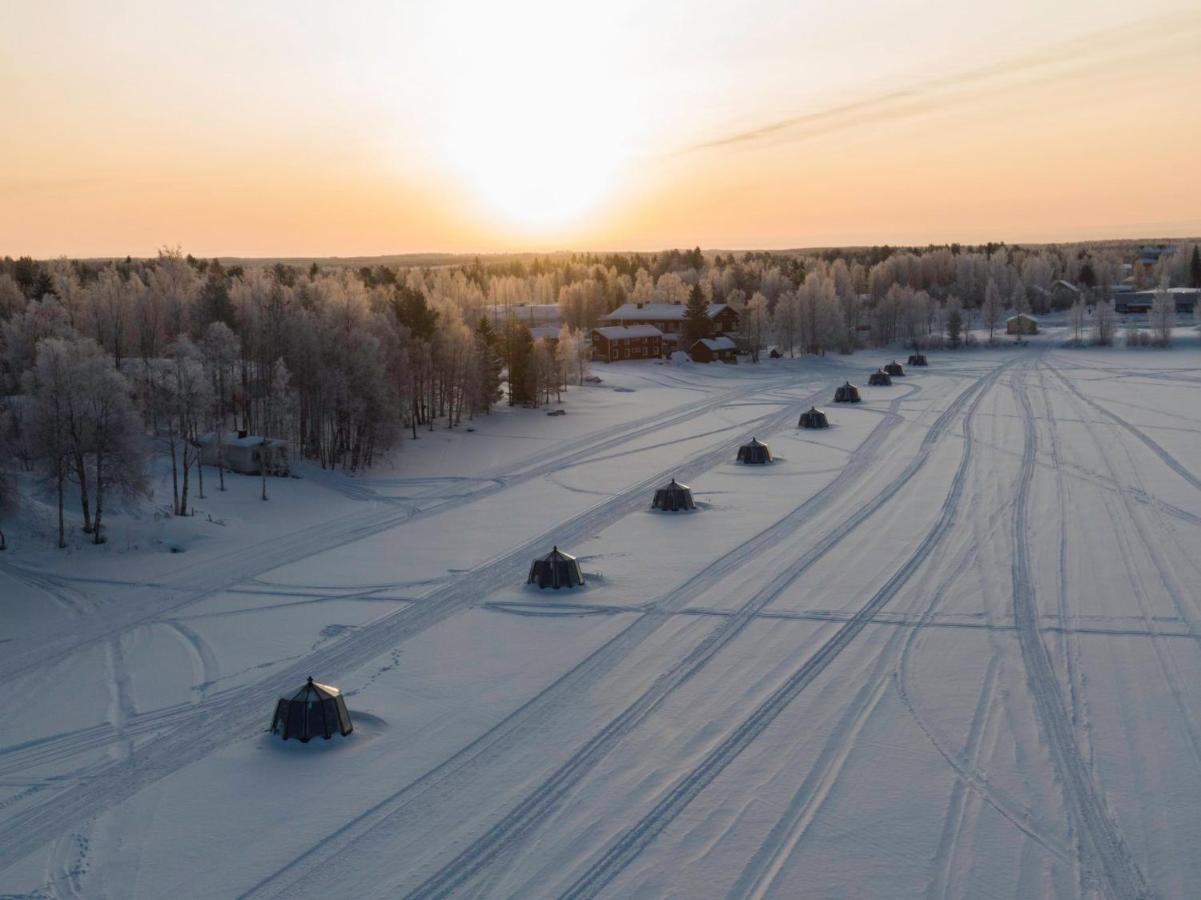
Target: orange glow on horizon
[(546, 126)]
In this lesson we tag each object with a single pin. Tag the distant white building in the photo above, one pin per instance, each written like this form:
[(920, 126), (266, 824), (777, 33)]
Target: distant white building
[(246, 453)]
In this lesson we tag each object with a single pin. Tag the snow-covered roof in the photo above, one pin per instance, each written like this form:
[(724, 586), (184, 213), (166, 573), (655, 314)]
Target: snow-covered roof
[(657, 312), (233, 440), (616, 332), (545, 331), (718, 343), (1020, 317), (1066, 284)]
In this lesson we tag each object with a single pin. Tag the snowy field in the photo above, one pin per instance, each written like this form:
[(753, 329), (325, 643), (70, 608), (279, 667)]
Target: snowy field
[(950, 647)]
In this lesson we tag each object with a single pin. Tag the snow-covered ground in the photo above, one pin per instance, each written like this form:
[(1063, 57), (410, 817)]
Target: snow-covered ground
[(949, 647)]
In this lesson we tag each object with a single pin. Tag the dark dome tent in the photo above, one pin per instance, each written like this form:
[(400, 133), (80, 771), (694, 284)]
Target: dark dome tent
[(847, 393), (557, 569), (918, 359), (814, 418), (316, 710), (754, 453), (894, 370), (673, 497), (879, 378)]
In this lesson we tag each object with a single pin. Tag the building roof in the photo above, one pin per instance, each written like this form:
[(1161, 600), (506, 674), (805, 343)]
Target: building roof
[(1020, 317), (232, 440), (656, 312), (718, 343), (617, 332), (1066, 284)]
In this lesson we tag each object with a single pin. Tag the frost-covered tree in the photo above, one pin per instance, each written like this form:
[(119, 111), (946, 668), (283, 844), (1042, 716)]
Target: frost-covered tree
[(1162, 316), (1078, 317), (954, 323), (755, 325), (1104, 322), (992, 310), (786, 322), (116, 448), (51, 383), (1019, 301)]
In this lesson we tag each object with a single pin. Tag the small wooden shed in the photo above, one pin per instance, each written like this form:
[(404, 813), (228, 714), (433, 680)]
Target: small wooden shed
[(1021, 324), (721, 349)]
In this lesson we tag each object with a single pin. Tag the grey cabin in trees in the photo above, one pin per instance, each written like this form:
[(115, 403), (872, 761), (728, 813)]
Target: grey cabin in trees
[(1021, 324), (244, 453), (555, 570), (673, 497), (814, 418), (846, 393), (754, 453), (316, 710)]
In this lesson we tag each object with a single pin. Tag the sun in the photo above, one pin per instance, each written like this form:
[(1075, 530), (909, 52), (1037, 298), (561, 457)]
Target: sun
[(524, 127)]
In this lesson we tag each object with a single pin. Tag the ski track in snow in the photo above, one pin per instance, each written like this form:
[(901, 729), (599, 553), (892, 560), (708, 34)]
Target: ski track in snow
[(33, 827), (1106, 854), (529, 813), (786, 834), (196, 581), (760, 874), (58, 810), (1169, 460), (602, 660)]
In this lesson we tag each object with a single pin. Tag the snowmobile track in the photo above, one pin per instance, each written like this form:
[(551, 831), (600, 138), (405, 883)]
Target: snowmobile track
[(530, 812), (1106, 854)]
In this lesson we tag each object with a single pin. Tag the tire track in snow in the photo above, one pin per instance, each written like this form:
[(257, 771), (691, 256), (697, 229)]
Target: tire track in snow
[(1167, 666), (1169, 460), (207, 669), (1105, 852), (1070, 644), (758, 877), (195, 581), (603, 660), (192, 739), (504, 836), (632, 842), (530, 812)]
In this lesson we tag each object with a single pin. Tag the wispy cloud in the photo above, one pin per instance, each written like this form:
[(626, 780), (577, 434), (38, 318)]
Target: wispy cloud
[(1156, 38)]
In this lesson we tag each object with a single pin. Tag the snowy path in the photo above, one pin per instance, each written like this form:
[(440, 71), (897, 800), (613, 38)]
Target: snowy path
[(950, 647)]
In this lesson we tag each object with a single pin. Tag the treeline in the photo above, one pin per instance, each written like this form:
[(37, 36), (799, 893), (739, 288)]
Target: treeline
[(101, 362), (341, 361)]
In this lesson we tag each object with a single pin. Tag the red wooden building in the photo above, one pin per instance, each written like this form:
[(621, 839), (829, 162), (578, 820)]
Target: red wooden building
[(614, 342)]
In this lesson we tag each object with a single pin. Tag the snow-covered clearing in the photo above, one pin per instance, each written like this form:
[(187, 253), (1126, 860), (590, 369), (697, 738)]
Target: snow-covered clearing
[(949, 647)]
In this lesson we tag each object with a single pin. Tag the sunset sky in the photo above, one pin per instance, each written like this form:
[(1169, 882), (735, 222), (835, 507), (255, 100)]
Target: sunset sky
[(294, 129)]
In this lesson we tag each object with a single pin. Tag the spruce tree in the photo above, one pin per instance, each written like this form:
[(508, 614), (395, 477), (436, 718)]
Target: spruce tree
[(696, 318)]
